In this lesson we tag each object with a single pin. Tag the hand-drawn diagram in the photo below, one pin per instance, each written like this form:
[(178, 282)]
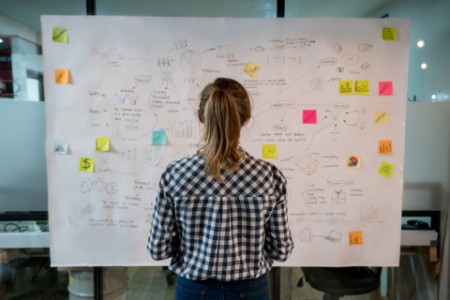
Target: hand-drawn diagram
[(314, 94)]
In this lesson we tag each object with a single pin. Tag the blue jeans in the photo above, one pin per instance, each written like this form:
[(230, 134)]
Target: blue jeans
[(210, 289)]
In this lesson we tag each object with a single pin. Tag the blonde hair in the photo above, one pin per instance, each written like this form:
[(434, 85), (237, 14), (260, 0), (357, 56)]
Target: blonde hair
[(224, 109)]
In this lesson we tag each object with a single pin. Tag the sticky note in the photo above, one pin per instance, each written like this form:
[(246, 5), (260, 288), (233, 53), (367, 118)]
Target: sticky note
[(381, 118), (62, 76), (102, 144), (355, 238), (269, 151), (385, 147), (251, 69), (60, 35), (309, 116), (385, 88), (362, 87), (159, 137), (353, 162), (61, 147), (389, 34), (386, 169), (346, 87), (86, 164)]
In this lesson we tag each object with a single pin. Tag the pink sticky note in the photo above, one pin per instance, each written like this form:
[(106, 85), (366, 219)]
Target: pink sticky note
[(309, 116), (385, 88)]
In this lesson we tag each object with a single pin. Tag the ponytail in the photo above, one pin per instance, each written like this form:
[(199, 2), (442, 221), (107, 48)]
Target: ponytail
[(224, 108)]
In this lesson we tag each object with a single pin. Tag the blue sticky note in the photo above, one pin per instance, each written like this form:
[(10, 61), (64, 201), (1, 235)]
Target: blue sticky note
[(159, 137)]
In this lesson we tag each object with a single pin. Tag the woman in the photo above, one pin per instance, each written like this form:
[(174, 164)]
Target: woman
[(220, 214)]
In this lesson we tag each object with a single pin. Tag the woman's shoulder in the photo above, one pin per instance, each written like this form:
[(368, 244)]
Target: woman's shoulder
[(186, 162)]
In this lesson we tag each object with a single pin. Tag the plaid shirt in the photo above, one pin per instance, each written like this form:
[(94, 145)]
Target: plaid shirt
[(228, 230)]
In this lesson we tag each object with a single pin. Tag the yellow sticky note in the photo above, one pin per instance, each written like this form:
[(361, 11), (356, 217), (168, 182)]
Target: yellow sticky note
[(62, 76), (385, 147), (346, 87), (389, 33), (251, 69), (86, 164), (60, 35), (102, 144), (269, 151), (362, 87), (355, 238), (386, 169), (381, 118)]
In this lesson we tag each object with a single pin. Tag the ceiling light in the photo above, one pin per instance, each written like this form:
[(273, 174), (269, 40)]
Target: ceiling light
[(424, 66), (420, 43), (1, 40)]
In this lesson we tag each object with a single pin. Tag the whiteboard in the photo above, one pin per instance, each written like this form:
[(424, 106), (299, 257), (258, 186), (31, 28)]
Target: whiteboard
[(328, 97)]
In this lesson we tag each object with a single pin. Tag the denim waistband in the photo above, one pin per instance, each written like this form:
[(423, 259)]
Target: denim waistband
[(228, 284)]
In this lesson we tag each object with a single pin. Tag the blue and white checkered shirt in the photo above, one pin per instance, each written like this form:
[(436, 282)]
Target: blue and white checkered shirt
[(230, 230)]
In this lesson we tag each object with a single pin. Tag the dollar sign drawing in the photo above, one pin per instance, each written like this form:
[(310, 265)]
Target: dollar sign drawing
[(87, 164)]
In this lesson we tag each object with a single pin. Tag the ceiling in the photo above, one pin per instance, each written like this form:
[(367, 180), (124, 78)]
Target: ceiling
[(28, 12)]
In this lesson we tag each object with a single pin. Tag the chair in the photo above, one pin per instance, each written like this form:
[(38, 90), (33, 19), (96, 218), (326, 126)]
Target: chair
[(342, 281)]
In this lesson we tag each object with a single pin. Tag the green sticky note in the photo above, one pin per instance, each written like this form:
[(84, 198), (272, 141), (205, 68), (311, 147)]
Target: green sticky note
[(159, 137), (269, 151), (102, 144), (60, 35), (386, 169), (86, 164)]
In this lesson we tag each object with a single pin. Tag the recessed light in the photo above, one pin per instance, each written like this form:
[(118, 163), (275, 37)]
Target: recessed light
[(420, 43)]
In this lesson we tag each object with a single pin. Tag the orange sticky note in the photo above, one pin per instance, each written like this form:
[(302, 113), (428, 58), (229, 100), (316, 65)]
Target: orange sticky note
[(62, 76), (86, 164), (385, 147), (355, 238), (346, 87), (269, 151)]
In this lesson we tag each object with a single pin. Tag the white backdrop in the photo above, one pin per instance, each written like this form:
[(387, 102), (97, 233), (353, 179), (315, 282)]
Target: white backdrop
[(329, 98)]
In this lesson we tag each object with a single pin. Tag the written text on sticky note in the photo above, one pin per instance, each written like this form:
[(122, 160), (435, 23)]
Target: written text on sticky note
[(309, 116), (251, 69), (346, 87), (159, 137), (102, 144), (355, 238), (61, 147), (86, 164), (60, 35), (389, 34), (385, 147), (269, 151), (362, 87), (385, 88), (381, 118), (386, 169), (62, 76)]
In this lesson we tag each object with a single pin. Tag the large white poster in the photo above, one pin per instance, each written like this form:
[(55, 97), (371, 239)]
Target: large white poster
[(329, 99)]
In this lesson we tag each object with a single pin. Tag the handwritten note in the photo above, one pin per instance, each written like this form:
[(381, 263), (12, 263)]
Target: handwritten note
[(309, 116), (355, 237), (86, 164), (61, 147), (362, 87), (381, 118), (102, 144), (60, 35), (251, 69), (62, 76), (346, 87), (386, 169), (269, 151), (389, 34), (385, 147), (159, 137), (385, 88), (353, 162)]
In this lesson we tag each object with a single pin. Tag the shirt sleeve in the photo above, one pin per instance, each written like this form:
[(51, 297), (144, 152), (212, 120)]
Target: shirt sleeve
[(163, 240), (278, 242)]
